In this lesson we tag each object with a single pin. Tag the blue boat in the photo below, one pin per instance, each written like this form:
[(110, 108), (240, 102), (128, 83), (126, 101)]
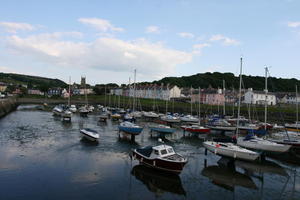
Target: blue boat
[(162, 129), (130, 128)]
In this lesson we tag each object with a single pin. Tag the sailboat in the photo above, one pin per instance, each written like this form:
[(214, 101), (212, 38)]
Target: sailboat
[(168, 117), (229, 149), (84, 109), (260, 144), (67, 114), (295, 141), (190, 118), (197, 128)]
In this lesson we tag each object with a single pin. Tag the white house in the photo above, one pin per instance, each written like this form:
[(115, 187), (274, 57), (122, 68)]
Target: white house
[(290, 99), (259, 97)]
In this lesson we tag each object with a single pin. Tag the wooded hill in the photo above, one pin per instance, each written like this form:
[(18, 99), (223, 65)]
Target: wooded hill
[(30, 81), (215, 80)]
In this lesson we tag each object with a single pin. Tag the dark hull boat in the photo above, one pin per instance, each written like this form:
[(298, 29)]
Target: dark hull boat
[(157, 181), (196, 129), (160, 157)]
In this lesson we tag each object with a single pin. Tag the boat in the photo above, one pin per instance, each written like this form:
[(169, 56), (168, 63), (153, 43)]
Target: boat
[(161, 157), (91, 108), (130, 128), (195, 129), (231, 150), (160, 128), (220, 125), (129, 118), (90, 134), (83, 111), (293, 127), (136, 114), (57, 110), (66, 115), (294, 143), (150, 114), (73, 108), (103, 116), (170, 119), (260, 144), (158, 182), (189, 118), (115, 116)]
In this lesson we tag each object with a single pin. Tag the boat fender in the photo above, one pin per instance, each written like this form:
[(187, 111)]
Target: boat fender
[(154, 163), (234, 155), (142, 159)]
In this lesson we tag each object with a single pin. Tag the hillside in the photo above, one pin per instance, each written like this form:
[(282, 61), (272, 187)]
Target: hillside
[(31, 81), (215, 80)]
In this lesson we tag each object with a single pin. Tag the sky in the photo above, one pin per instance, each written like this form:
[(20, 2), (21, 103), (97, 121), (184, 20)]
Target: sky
[(106, 40)]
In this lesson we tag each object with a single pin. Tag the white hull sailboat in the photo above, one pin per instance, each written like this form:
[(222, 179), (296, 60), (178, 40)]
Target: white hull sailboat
[(231, 150)]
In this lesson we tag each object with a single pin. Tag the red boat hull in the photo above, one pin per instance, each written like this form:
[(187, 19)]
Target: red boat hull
[(195, 130), (173, 167)]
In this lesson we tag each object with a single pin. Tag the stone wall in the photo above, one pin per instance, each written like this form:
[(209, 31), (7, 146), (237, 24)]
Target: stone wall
[(7, 105)]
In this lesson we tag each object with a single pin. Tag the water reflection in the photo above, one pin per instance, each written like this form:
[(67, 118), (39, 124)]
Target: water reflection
[(227, 178), (158, 182)]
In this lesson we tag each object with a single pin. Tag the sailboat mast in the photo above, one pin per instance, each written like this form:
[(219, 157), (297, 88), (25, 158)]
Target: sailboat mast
[(199, 115), (240, 95), (69, 100), (85, 93), (134, 95), (191, 101), (224, 111), (266, 96), (297, 114)]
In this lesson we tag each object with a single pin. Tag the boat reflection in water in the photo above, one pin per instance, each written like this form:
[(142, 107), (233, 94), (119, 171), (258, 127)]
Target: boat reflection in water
[(227, 178), (157, 181), (265, 166)]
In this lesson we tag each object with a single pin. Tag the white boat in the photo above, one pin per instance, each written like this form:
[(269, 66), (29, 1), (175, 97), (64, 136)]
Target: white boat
[(90, 134), (66, 115), (150, 114), (293, 127), (231, 150), (170, 118), (260, 144), (73, 108), (160, 128), (57, 111), (136, 114), (91, 108), (189, 118), (130, 128), (83, 111)]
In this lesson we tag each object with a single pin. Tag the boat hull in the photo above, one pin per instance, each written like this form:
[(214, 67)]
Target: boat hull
[(159, 164), (163, 130), (231, 154), (196, 130), (130, 130), (270, 147), (222, 128), (88, 137)]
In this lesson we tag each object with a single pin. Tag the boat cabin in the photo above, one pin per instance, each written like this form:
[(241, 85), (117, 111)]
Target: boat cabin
[(157, 151)]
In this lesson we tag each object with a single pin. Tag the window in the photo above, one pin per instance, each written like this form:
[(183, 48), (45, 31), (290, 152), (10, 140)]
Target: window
[(156, 152), (170, 150), (163, 152)]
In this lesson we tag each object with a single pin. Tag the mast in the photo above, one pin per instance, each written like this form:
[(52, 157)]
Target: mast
[(297, 114), (105, 96), (85, 93), (69, 100), (199, 114), (167, 101), (240, 94), (133, 106), (266, 96), (191, 101), (224, 113)]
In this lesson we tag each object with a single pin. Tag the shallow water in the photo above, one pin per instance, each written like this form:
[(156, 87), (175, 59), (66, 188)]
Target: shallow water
[(44, 158)]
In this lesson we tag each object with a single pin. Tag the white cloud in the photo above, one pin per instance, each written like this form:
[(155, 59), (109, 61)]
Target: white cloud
[(293, 24), (225, 40), (198, 47), (13, 27), (108, 54), (186, 35), (100, 24), (152, 29)]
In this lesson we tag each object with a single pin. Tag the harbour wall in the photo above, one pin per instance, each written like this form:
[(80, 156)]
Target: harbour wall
[(7, 105)]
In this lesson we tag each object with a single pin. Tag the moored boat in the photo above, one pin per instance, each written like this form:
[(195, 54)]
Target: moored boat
[(170, 119), (195, 129), (260, 144), (130, 128), (231, 150), (90, 134), (189, 118), (161, 157), (57, 111), (160, 128), (150, 115)]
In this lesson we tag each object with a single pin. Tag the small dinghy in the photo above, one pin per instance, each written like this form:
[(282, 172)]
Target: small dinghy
[(231, 150), (57, 110), (161, 157), (90, 134)]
